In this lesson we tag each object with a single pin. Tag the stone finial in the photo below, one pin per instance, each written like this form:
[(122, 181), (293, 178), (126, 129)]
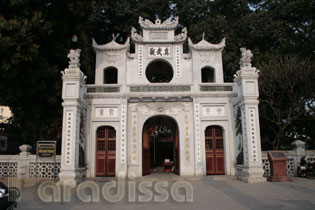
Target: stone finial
[(25, 148), (246, 58), (74, 56)]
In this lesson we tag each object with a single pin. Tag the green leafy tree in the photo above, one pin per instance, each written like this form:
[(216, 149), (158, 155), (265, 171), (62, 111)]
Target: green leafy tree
[(35, 37), (286, 86)]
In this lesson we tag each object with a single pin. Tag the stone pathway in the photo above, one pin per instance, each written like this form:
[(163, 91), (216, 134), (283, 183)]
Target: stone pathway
[(209, 193)]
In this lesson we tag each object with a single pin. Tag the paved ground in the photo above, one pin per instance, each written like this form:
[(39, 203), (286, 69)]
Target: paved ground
[(207, 194)]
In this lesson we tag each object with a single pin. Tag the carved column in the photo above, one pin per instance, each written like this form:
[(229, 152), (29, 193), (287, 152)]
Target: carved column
[(246, 80), (198, 163), (73, 89)]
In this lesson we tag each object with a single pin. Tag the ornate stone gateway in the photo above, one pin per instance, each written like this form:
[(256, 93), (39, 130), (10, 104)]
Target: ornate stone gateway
[(109, 128), (214, 150)]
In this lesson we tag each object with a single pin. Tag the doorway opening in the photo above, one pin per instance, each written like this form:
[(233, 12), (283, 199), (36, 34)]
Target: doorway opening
[(214, 150), (160, 143), (105, 151)]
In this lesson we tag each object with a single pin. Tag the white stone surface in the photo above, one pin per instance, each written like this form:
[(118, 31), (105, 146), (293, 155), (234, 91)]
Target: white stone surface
[(192, 104)]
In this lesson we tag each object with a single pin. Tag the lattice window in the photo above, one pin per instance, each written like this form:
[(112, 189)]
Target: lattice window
[(111, 133), (266, 167), (208, 138), (290, 167), (44, 170), (8, 169), (209, 143), (100, 146), (218, 132), (219, 143), (111, 145), (101, 133)]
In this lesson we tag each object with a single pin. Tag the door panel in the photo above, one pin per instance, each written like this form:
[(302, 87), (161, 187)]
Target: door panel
[(146, 151), (105, 151), (214, 150), (176, 154)]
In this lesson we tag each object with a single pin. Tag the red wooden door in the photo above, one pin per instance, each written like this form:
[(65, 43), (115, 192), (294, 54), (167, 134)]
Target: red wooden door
[(105, 151), (146, 150), (176, 153), (214, 150)]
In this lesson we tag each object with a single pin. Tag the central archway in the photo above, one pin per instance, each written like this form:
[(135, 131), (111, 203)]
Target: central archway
[(160, 145)]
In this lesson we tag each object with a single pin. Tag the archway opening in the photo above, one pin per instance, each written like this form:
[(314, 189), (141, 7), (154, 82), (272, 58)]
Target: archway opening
[(214, 147), (160, 145), (110, 75), (159, 71), (105, 151), (207, 75)]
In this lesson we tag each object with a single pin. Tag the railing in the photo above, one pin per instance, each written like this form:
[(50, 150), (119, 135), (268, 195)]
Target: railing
[(217, 87), (225, 87), (160, 88), (103, 89), (15, 166), (292, 162)]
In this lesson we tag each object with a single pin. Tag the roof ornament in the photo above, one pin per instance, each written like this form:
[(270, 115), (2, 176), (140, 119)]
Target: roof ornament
[(135, 36), (74, 56), (246, 58), (203, 36), (158, 24), (182, 36)]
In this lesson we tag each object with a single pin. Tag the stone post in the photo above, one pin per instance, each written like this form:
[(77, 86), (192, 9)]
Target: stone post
[(246, 80), (73, 88), (300, 152), (23, 171)]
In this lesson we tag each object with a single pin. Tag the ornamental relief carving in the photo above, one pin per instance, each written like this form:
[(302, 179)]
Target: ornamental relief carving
[(111, 58), (160, 108)]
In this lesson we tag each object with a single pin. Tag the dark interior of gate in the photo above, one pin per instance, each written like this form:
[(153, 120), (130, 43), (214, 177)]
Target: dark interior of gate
[(160, 145)]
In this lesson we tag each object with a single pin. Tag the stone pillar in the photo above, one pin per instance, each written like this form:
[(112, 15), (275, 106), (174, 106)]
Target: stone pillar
[(246, 80), (198, 162), (23, 167), (73, 89), (300, 152)]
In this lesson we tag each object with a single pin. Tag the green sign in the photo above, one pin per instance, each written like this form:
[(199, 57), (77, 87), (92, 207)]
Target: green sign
[(46, 149)]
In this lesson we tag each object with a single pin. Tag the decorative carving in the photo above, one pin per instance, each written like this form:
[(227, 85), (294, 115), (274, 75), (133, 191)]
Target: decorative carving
[(111, 46), (246, 58), (155, 108), (182, 36), (167, 24), (111, 58), (203, 45), (74, 56), (160, 88), (204, 57), (135, 36)]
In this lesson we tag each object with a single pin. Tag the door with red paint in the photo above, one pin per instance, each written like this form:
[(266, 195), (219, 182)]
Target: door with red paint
[(146, 150), (214, 150), (105, 151)]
